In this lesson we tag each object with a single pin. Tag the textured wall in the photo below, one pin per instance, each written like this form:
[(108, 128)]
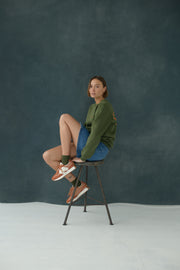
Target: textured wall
[(48, 51)]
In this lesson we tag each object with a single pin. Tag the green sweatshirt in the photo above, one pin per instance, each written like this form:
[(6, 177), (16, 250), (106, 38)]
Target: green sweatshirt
[(101, 124)]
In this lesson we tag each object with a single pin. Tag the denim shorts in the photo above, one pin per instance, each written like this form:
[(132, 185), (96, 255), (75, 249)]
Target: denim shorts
[(100, 152)]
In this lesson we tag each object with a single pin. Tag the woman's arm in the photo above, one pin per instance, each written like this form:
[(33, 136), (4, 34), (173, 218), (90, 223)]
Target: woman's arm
[(100, 123)]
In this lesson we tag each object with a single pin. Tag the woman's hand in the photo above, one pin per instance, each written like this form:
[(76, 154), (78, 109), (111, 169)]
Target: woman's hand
[(76, 159)]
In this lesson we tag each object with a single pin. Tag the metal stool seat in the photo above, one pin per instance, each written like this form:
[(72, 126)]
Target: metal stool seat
[(87, 164)]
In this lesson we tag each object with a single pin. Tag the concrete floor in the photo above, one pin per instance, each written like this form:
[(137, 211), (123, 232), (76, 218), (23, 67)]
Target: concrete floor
[(142, 238)]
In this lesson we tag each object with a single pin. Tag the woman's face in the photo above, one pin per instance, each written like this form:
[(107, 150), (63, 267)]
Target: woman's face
[(96, 89)]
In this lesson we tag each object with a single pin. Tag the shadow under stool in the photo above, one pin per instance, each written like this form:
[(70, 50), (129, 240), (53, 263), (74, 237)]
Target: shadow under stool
[(87, 164)]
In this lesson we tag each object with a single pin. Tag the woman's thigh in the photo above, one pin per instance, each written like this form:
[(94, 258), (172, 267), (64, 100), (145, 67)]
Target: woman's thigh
[(73, 125), (55, 153)]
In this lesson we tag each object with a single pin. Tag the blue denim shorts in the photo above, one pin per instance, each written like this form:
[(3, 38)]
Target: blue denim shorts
[(100, 152)]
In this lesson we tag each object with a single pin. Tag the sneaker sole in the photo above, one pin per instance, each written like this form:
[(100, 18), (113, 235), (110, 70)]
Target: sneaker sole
[(80, 194), (72, 169)]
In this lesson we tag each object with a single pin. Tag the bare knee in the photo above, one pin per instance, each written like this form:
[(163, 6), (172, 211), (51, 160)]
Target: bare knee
[(46, 156), (63, 117)]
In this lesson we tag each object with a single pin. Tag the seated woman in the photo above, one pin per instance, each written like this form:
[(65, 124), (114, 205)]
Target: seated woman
[(79, 143)]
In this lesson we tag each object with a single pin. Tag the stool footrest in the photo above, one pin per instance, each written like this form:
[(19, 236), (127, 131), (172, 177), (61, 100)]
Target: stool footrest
[(93, 199)]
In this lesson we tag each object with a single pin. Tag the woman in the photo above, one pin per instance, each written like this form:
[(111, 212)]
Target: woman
[(80, 143)]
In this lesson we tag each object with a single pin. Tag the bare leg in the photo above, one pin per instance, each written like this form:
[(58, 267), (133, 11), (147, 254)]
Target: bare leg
[(69, 129), (54, 155)]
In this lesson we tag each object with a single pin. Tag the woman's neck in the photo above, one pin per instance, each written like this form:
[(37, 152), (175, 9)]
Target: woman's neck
[(98, 100)]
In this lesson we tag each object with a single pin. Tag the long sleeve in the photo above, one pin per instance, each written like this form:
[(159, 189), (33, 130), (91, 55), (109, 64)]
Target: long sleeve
[(100, 124)]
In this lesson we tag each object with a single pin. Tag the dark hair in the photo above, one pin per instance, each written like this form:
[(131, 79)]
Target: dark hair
[(103, 82)]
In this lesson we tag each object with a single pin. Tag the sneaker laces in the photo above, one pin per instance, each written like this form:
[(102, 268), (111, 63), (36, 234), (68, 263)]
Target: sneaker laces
[(62, 168)]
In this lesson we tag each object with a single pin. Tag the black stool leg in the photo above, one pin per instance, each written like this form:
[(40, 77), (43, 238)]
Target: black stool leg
[(98, 176), (71, 202), (85, 196)]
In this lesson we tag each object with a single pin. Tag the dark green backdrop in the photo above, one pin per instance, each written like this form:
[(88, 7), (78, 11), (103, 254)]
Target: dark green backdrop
[(48, 51)]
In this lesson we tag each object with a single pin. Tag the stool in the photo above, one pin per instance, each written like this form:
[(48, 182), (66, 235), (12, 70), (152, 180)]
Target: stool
[(87, 164)]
